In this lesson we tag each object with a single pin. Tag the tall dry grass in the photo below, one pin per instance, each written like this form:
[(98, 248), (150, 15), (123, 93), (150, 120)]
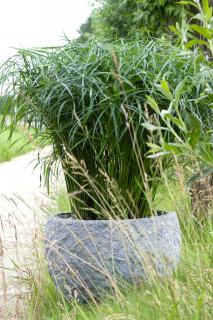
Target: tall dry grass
[(185, 295)]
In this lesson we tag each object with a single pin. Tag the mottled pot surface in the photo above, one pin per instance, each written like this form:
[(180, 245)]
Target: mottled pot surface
[(88, 257)]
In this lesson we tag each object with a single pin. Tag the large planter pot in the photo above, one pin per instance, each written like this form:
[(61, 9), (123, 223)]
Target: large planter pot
[(88, 258)]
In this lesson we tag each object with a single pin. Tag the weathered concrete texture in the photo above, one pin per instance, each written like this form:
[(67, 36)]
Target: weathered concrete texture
[(89, 257)]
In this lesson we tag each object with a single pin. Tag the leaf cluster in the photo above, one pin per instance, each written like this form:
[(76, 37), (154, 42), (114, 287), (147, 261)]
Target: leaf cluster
[(198, 30)]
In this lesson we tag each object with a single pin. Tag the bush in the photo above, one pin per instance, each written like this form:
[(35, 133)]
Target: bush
[(116, 19)]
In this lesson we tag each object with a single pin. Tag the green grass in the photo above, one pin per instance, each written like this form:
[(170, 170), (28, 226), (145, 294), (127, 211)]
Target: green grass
[(186, 295), (61, 201), (22, 141), (18, 145)]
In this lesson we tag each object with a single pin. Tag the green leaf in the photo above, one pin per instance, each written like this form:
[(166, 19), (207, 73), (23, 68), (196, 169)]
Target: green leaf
[(166, 90), (176, 121), (175, 30), (179, 90), (199, 17), (191, 3), (202, 31), (207, 9), (6, 106), (194, 129), (172, 147), (153, 147), (200, 59), (194, 42), (153, 104)]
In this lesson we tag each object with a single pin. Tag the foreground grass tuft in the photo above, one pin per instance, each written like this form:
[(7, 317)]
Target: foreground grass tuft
[(186, 295)]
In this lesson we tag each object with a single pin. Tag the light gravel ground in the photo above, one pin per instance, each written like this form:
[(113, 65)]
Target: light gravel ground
[(23, 203)]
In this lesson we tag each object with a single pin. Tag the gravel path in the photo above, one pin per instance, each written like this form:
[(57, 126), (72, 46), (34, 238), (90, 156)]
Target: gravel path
[(22, 205)]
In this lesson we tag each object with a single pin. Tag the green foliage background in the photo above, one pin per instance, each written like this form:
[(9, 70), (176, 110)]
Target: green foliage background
[(125, 18)]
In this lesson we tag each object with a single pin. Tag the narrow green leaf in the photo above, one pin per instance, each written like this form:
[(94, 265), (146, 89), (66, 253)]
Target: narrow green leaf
[(202, 31), (200, 59), (194, 129), (194, 42), (191, 3), (175, 30), (172, 147), (176, 121), (199, 17), (153, 147), (153, 104), (166, 90), (179, 90), (207, 9)]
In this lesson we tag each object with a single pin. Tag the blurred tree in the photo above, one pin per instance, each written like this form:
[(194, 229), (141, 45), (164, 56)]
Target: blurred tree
[(122, 18), (86, 29)]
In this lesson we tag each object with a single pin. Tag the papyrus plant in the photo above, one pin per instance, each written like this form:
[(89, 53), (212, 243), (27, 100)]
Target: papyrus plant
[(90, 102)]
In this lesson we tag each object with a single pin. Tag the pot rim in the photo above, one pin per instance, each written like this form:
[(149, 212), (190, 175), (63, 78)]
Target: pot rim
[(68, 216)]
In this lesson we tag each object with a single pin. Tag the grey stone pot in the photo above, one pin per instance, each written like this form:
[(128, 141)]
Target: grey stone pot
[(88, 258)]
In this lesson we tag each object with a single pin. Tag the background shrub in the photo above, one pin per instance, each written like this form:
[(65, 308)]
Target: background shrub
[(115, 19)]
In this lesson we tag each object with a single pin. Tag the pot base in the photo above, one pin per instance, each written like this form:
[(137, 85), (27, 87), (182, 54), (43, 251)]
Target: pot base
[(88, 258)]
